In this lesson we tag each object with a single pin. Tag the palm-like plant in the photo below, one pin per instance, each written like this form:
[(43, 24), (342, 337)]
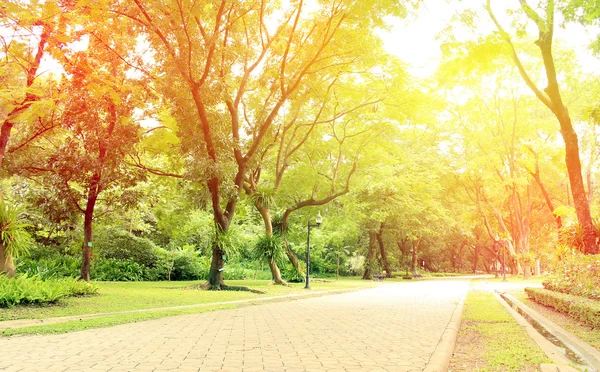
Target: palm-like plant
[(14, 240), (264, 198), (269, 248)]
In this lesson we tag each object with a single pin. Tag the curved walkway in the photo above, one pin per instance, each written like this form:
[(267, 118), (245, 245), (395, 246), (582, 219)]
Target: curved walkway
[(395, 327)]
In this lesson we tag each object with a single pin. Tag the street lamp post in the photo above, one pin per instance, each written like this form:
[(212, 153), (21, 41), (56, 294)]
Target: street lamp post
[(318, 221)]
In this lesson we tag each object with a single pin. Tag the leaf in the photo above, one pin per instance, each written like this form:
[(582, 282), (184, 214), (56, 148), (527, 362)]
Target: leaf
[(564, 211)]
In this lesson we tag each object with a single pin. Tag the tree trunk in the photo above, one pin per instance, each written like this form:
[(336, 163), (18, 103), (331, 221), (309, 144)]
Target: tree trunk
[(475, 258), (88, 218), (538, 179), (4, 136), (86, 250), (217, 265), (293, 258), (266, 215), (337, 265), (275, 272), (384, 259), (370, 256), (288, 251), (486, 265), (415, 246), (6, 262), (582, 207), (460, 255), (515, 267), (497, 262), (526, 272), (401, 255)]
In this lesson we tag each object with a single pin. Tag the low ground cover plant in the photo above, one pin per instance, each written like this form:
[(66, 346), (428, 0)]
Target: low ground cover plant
[(33, 290), (122, 256)]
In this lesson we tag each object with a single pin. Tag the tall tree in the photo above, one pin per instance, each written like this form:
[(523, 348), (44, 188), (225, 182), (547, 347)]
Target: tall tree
[(232, 66), (85, 158), (544, 20)]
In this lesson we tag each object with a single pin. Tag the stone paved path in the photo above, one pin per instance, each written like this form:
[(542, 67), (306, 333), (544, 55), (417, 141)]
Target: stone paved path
[(394, 327)]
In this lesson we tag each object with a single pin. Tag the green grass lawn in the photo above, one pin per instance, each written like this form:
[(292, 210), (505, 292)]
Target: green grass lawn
[(124, 296), (107, 321), (490, 339), (127, 296)]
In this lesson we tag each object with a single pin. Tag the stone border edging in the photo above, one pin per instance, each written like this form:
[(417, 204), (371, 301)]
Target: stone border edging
[(440, 360), (24, 323), (585, 351), (552, 351)]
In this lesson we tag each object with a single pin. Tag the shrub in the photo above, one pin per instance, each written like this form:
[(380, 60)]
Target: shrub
[(578, 275), (558, 285), (583, 309), (119, 244), (356, 264), (187, 266), (40, 251), (237, 272), (33, 290), (292, 275), (183, 264), (156, 273), (111, 269), (50, 267)]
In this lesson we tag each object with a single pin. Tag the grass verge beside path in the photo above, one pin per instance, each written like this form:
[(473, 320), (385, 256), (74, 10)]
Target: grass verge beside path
[(128, 296), (490, 339), (107, 321), (124, 296)]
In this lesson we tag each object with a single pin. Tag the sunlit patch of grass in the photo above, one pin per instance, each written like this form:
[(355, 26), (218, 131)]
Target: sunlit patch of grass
[(491, 340), (107, 321)]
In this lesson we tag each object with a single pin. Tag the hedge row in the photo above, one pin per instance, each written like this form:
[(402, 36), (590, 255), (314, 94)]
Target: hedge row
[(583, 309), (559, 285)]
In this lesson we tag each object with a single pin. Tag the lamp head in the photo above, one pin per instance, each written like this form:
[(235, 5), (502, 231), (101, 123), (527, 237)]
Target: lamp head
[(319, 219)]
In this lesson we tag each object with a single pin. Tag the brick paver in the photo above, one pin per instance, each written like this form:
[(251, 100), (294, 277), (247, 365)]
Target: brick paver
[(395, 327)]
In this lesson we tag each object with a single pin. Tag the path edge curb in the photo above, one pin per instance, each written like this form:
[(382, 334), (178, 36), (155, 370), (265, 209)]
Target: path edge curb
[(589, 354), (440, 360)]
